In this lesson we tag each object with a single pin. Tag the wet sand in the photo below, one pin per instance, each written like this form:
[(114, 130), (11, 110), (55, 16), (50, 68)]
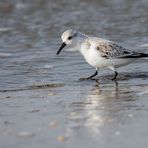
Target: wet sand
[(42, 101)]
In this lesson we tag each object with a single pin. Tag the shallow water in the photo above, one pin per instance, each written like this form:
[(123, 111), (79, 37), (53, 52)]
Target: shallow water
[(42, 101)]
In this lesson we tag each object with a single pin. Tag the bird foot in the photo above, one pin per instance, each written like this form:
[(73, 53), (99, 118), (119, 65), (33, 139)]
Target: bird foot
[(114, 79)]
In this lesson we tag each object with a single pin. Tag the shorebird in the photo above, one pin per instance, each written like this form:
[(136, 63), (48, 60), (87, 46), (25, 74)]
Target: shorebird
[(99, 52)]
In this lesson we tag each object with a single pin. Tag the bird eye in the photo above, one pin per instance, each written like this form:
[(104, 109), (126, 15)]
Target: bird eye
[(70, 37)]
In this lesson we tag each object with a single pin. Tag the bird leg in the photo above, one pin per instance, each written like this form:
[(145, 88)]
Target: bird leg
[(116, 74), (96, 72), (114, 70)]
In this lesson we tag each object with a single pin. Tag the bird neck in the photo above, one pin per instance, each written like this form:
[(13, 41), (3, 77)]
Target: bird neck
[(80, 40)]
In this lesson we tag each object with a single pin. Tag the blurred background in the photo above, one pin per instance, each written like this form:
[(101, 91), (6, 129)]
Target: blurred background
[(68, 112), (30, 33)]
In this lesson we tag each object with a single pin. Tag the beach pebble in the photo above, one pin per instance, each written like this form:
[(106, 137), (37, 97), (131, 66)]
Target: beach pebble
[(51, 94), (61, 138)]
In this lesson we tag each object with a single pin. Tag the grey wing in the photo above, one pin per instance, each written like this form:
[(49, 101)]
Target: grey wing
[(134, 55), (113, 50)]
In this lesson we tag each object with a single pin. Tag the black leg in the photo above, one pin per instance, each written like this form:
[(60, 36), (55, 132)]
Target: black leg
[(96, 72), (93, 75), (116, 74)]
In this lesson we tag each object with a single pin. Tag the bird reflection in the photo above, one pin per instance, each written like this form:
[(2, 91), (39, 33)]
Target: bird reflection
[(94, 112), (98, 110)]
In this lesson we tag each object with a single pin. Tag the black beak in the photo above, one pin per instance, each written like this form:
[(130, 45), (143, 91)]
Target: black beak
[(62, 46)]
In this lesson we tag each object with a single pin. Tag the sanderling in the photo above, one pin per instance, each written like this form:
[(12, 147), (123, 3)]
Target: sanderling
[(98, 52)]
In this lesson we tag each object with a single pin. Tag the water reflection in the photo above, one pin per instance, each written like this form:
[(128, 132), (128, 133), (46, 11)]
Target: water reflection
[(100, 105), (104, 106)]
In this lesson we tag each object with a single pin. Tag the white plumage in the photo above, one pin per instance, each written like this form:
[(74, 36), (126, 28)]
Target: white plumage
[(98, 52)]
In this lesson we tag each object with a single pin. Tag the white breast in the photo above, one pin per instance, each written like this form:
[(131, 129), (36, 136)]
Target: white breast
[(92, 56)]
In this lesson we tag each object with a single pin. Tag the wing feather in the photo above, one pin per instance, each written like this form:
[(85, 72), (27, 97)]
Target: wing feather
[(110, 50)]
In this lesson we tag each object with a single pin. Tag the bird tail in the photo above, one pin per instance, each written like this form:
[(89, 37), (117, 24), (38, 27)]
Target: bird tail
[(144, 56)]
